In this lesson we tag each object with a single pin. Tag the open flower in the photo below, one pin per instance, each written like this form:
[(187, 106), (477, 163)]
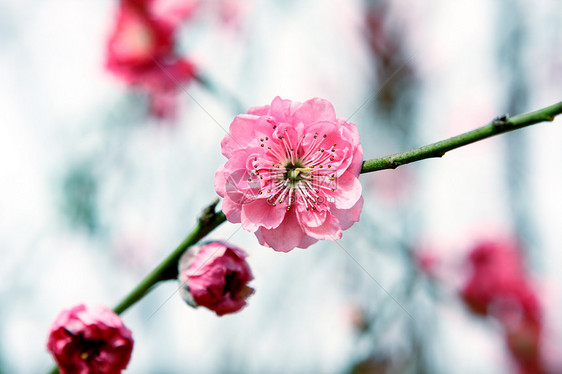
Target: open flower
[(90, 340), (292, 173), (215, 276)]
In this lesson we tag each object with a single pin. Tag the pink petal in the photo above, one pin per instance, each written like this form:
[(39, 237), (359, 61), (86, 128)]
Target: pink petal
[(357, 163), (286, 236), (241, 134), (259, 110), (329, 230), (348, 131), (280, 109), (315, 110), (261, 213), (220, 181), (311, 217), (307, 241), (348, 191), (232, 210), (347, 217)]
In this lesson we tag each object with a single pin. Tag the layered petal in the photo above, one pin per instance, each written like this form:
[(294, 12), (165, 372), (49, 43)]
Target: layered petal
[(87, 339), (347, 217), (348, 191), (215, 276), (291, 174), (260, 213), (286, 236), (315, 110), (330, 229)]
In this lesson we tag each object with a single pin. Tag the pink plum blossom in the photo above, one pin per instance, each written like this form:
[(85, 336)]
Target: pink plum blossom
[(498, 280), (90, 340), (141, 51), (215, 276), (292, 173), (499, 286), (137, 39)]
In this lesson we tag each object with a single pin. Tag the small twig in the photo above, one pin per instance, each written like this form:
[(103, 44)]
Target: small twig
[(499, 125), (168, 268)]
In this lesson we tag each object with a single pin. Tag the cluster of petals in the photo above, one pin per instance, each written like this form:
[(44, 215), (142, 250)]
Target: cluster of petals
[(90, 340), (499, 287), (141, 50), (292, 173), (215, 276)]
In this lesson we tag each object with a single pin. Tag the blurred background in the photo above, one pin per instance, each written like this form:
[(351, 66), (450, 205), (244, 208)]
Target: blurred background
[(110, 126)]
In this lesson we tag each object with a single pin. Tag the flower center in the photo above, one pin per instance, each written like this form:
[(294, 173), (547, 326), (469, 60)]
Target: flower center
[(296, 172)]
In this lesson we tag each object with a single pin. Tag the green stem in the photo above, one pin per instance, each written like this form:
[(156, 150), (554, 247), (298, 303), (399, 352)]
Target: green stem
[(168, 269), (498, 126)]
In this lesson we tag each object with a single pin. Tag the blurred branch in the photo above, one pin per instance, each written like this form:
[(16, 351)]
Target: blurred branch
[(221, 92), (168, 268), (498, 126)]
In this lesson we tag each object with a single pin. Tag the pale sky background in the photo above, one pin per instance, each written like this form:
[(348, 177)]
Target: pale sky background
[(63, 115)]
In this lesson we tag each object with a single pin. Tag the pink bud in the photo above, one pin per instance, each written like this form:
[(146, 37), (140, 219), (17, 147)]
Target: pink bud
[(90, 340), (215, 276)]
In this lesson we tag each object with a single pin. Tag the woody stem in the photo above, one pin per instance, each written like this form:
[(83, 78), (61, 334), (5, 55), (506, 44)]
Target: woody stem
[(498, 126)]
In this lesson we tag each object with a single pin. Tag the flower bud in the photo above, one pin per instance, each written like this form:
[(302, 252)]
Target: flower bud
[(215, 276), (90, 340)]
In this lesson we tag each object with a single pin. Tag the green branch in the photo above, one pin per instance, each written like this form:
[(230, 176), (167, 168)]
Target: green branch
[(210, 219), (168, 269), (498, 126)]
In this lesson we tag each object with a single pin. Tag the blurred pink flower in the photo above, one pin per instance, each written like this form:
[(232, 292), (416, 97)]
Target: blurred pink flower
[(292, 173), (173, 12), (497, 277), (215, 276), (231, 12), (162, 82), (427, 262), (499, 286), (136, 41), (90, 340), (140, 51)]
